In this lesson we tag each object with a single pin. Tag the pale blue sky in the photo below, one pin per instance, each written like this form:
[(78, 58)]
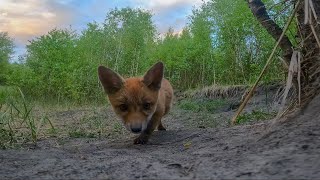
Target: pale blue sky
[(26, 19)]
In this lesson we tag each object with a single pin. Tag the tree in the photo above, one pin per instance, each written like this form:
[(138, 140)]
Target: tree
[(6, 50), (131, 32), (219, 45), (201, 29), (239, 44), (90, 51), (259, 11), (50, 57)]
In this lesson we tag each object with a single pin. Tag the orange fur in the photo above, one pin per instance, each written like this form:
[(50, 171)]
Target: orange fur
[(139, 102)]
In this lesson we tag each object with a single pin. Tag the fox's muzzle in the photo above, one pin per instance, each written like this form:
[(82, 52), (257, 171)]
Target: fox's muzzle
[(136, 128)]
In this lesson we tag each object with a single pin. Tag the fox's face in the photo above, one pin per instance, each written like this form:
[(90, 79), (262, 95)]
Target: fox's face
[(134, 100)]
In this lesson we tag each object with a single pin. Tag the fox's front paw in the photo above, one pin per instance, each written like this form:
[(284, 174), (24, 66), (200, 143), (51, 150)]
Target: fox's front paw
[(161, 128), (142, 139)]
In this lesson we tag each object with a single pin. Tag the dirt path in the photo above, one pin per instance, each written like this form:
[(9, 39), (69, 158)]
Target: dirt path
[(288, 150)]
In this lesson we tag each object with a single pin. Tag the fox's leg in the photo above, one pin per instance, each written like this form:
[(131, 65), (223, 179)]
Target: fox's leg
[(144, 136), (161, 127)]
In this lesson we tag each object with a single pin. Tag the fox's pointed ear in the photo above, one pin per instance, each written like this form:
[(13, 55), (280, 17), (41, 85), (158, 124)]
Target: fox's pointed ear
[(153, 77), (110, 80)]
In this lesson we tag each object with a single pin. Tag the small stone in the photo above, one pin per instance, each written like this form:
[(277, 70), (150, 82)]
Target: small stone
[(304, 147)]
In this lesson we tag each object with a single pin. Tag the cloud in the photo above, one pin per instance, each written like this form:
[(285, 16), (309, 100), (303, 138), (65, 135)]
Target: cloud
[(163, 6), (29, 18), (169, 13)]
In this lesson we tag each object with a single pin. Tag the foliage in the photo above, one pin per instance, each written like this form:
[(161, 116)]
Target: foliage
[(6, 50), (133, 33), (255, 115), (202, 105), (221, 44)]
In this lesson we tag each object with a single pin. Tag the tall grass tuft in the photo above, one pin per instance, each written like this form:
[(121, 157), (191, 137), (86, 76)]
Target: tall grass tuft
[(17, 122)]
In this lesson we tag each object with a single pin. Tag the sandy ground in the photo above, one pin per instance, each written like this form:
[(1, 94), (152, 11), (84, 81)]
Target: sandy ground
[(287, 149)]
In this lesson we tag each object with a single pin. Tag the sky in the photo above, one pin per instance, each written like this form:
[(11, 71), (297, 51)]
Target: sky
[(27, 19)]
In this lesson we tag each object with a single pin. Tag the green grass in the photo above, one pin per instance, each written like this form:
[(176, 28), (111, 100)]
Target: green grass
[(24, 121), (17, 122), (94, 124), (202, 113), (81, 133), (89, 126), (256, 115), (202, 105)]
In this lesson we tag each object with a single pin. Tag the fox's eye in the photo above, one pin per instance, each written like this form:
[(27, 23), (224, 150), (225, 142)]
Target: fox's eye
[(146, 106), (123, 107)]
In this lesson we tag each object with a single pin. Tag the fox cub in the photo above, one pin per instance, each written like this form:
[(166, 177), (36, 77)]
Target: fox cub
[(140, 102)]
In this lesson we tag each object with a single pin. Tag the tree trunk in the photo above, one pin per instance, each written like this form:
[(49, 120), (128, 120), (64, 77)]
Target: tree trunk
[(259, 11)]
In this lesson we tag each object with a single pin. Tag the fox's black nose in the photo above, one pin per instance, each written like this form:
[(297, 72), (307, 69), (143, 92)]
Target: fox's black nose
[(136, 129)]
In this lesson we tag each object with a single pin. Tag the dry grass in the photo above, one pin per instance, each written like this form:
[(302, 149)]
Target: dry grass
[(229, 92)]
